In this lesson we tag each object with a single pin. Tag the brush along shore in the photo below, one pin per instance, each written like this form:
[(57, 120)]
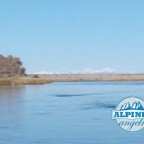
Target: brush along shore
[(48, 78), (24, 80)]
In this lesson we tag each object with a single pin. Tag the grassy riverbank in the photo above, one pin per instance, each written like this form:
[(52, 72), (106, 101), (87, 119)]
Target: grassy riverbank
[(43, 79), (22, 81), (92, 77)]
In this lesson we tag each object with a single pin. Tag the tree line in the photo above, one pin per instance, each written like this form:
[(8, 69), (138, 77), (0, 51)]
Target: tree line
[(11, 66)]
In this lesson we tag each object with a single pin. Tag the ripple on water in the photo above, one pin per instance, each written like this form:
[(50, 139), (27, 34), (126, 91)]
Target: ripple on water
[(75, 95), (98, 105)]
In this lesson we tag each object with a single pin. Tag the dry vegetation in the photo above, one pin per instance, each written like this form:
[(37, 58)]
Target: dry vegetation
[(93, 77), (12, 72), (22, 81)]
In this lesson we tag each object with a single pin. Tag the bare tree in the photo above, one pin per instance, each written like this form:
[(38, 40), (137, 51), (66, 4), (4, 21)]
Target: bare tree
[(11, 66)]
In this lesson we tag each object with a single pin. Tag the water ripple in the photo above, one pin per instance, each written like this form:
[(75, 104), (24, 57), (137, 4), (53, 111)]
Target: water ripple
[(98, 106), (74, 95)]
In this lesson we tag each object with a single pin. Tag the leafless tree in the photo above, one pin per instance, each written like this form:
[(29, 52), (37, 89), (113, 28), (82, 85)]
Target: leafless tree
[(11, 66)]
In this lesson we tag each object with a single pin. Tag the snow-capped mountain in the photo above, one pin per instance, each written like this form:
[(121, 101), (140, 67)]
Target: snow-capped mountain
[(83, 71)]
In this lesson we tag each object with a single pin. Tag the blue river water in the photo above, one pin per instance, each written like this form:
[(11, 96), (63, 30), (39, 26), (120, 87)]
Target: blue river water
[(66, 113)]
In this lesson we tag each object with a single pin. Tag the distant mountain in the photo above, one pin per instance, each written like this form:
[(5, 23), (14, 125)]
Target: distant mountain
[(83, 71), (134, 106)]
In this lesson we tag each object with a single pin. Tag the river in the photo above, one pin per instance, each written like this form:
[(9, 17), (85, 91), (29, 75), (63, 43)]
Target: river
[(66, 113)]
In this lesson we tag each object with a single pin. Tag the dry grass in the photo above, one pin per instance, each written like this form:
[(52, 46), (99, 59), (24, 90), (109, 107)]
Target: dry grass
[(43, 79), (93, 77), (23, 81)]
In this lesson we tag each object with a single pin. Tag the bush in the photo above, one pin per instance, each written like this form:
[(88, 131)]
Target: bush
[(35, 76)]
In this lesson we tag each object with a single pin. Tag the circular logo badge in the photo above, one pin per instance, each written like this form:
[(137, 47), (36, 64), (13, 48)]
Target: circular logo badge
[(129, 114)]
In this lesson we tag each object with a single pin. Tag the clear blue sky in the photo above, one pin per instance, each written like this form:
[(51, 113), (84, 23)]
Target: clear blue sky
[(65, 35)]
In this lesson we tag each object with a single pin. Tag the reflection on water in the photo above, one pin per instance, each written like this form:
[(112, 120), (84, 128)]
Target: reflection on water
[(9, 95), (65, 113), (10, 108), (11, 91)]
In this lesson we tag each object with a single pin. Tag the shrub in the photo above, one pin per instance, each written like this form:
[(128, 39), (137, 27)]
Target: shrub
[(35, 76)]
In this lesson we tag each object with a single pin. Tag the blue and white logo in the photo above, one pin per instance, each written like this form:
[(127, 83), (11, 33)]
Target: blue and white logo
[(129, 114)]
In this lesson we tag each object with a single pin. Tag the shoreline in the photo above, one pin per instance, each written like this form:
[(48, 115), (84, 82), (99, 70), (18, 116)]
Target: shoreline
[(49, 78), (24, 80), (92, 77)]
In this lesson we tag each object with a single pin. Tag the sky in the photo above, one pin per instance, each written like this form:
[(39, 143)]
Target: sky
[(72, 35)]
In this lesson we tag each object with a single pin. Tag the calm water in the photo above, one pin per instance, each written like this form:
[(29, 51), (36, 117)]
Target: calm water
[(66, 113)]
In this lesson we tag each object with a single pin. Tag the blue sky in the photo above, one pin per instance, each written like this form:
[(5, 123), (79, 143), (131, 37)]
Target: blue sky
[(67, 35)]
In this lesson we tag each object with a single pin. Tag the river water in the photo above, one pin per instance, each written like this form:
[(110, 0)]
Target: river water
[(66, 113)]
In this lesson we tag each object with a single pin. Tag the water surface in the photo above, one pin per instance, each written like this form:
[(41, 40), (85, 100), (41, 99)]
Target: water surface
[(66, 113)]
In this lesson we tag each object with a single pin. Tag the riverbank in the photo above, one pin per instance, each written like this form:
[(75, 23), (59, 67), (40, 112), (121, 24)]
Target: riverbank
[(92, 77), (48, 78), (22, 81)]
